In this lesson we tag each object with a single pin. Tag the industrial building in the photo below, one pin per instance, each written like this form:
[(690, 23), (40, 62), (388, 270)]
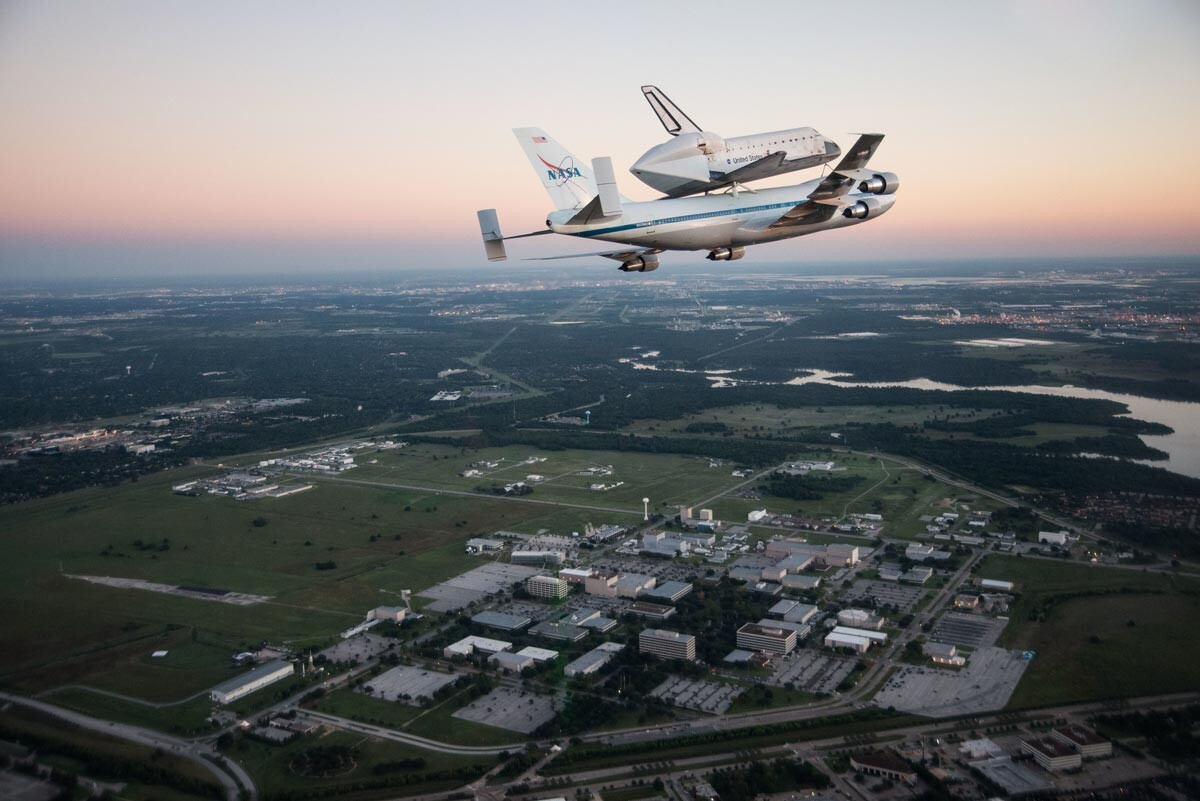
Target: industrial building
[(469, 645), (501, 620), (801, 629), (631, 585), (860, 619), (1089, 744), (801, 581), (480, 545), (994, 584), (1051, 754), (602, 583), (793, 611), (835, 554), (1053, 537), (538, 655), (667, 644), (593, 660), (395, 614), (754, 637), (547, 587), (884, 763), (575, 575), (229, 691)]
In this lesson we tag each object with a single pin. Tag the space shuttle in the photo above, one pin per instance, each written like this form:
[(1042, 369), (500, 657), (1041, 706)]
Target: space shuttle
[(695, 161)]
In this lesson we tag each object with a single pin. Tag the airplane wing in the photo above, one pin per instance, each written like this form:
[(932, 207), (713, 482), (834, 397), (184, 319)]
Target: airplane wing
[(618, 255), (669, 114), (826, 199)]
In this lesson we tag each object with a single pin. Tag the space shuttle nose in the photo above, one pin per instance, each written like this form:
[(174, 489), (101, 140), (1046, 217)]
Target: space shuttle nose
[(831, 148)]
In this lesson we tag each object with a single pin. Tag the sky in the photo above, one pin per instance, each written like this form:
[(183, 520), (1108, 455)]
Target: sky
[(161, 137)]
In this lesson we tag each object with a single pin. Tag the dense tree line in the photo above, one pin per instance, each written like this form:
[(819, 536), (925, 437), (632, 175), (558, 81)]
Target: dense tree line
[(748, 782), (808, 487)]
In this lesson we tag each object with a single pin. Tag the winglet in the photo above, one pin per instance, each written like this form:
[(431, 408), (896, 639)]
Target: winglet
[(669, 114)]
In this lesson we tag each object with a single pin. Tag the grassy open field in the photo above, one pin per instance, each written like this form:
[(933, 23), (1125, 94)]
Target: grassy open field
[(758, 418), (270, 767), (1098, 632)]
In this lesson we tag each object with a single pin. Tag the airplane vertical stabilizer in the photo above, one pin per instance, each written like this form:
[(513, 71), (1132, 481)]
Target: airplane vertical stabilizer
[(567, 179)]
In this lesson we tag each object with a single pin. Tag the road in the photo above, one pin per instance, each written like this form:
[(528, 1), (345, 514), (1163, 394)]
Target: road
[(193, 751)]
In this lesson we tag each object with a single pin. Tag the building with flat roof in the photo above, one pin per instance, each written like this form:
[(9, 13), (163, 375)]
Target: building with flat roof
[(669, 591), (602, 583), (469, 645), (887, 764), (1089, 744), (510, 662), (396, 614), (860, 619), (1053, 537), (554, 630), (801, 581), (651, 611), (575, 575), (873, 636), (979, 749), (801, 629), (631, 585), (836, 639), (229, 691), (965, 601), (776, 640), (481, 545), (995, 584), (593, 660), (547, 587), (667, 644), (1050, 753), (540, 558), (501, 620), (793, 611), (538, 655), (1014, 778)]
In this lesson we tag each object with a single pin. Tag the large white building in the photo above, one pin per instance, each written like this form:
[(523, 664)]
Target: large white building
[(547, 587), (667, 644), (229, 691), (593, 660), (469, 645)]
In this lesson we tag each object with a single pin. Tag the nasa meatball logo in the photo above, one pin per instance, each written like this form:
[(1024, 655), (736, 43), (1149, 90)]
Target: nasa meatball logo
[(563, 172)]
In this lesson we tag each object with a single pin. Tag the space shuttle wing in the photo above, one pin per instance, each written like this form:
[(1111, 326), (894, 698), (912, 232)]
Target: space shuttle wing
[(766, 167), (826, 198)]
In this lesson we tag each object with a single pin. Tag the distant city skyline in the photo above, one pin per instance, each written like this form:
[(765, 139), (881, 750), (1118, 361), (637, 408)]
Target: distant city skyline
[(307, 137)]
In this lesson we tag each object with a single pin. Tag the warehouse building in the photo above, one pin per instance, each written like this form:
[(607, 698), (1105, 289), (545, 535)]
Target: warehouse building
[(669, 591), (874, 636), (538, 655), (1053, 537), (229, 691), (631, 585), (575, 575), (547, 587), (602, 583), (593, 660), (539, 558), (559, 631), (793, 611), (994, 584), (775, 640), (501, 620), (510, 662), (395, 614), (1051, 754), (944, 653), (835, 639), (1089, 744), (860, 619), (667, 644)]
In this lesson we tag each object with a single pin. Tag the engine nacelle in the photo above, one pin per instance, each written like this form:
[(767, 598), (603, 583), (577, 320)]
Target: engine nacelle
[(640, 264), (726, 254), (883, 183), (863, 209)]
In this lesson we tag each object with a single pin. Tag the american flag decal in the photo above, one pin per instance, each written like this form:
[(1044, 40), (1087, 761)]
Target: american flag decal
[(541, 140)]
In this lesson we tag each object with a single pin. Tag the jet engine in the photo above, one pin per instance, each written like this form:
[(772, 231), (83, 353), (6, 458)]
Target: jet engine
[(726, 254), (863, 209), (640, 264), (884, 183)]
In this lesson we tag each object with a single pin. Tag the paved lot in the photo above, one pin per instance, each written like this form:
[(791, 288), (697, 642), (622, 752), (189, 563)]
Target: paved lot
[(408, 684), (359, 647), (970, 631), (984, 685), (812, 671), (704, 696), (903, 596), (511, 709), (476, 584)]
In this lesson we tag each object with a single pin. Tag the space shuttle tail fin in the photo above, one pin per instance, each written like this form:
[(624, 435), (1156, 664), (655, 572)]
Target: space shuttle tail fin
[(669, 114)]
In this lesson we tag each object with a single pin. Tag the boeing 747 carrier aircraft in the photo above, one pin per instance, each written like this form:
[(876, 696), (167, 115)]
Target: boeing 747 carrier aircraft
[(588, 205)]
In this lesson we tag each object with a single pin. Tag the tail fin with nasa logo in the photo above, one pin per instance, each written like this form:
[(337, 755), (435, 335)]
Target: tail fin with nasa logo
[(567, 179)]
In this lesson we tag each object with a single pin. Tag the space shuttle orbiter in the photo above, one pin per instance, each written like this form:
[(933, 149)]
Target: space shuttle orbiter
[(696, 161)]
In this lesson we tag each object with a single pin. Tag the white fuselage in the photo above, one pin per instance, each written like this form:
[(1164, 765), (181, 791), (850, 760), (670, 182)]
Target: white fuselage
[(690, 161), (711, 221)]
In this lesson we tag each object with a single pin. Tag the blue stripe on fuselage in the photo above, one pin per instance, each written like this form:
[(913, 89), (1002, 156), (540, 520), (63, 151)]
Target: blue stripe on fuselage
[(686, 217)]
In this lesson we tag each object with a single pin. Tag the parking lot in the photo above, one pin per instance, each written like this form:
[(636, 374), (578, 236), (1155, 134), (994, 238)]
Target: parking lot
[(969, 631), (511, 709), (359, 648), (984, 685), (703, 696), (408, 685), (901, 596), (812, 671), (466, 588)]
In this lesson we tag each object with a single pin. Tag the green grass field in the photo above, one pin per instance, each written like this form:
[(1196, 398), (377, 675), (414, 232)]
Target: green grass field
[(1098, 632)]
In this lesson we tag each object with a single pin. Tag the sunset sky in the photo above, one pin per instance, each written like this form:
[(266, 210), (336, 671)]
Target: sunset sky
[(228, 136)]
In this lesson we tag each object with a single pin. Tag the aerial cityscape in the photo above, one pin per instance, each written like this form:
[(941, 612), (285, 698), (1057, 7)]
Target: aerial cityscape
[(291, 510)]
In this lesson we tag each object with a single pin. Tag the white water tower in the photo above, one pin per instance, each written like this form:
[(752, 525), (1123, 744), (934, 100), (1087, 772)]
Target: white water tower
[(645, 508)]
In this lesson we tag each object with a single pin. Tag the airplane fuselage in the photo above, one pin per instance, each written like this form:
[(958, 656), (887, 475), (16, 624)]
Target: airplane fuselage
[(711, 221)]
